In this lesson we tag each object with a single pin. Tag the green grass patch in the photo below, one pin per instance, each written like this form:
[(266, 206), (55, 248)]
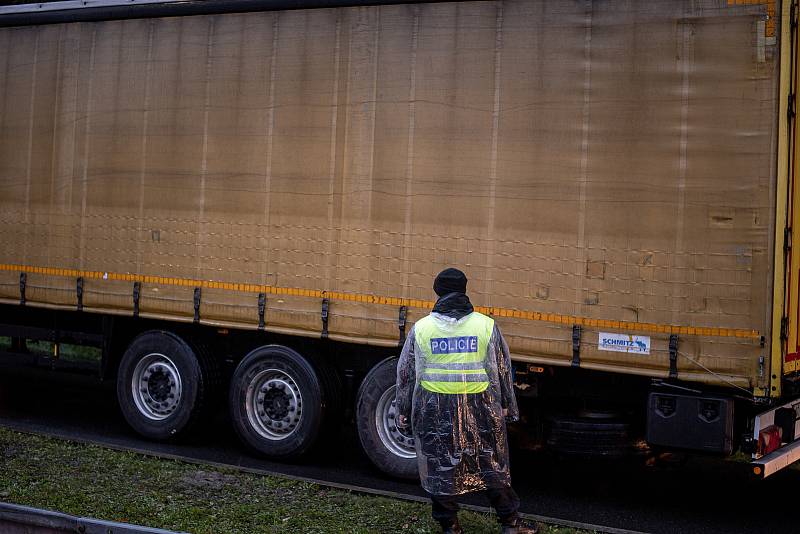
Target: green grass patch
[(42, 348), (66, 351), (80, 353), (87, 480)]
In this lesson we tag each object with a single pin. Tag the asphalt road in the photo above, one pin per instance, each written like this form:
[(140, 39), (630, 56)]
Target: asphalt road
[(705, 495)]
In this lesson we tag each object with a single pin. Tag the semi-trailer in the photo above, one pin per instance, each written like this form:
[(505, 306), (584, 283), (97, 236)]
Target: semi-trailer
[(246, 203)]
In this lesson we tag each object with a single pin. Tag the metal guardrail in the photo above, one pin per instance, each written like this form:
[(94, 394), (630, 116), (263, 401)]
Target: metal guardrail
[(17, 519)]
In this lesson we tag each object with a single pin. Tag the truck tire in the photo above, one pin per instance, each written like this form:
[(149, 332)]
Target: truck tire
[(390, 449), (277, 402), (161, 386), (332, 395)]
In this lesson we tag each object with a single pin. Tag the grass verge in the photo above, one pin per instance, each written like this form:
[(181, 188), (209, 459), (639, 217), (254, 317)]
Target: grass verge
[(87, 480)]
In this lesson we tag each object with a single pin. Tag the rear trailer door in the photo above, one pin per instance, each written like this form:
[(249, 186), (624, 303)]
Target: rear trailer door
[(786, 309), (776, 431)]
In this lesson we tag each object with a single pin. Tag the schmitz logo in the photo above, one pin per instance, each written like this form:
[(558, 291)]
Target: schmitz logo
[(624, 343)]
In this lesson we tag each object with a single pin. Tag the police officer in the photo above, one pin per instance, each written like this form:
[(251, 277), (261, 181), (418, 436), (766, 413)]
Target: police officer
[(454, 386)]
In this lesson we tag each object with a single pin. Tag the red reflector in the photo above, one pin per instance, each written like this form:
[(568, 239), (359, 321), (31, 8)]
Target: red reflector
[(769, 439)]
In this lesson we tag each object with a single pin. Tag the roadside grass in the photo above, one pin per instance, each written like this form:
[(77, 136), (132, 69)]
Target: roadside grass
[(67, 352), (87, 480)]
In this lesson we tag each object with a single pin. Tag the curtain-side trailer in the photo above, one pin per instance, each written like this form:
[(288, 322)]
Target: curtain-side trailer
[(247, 202)]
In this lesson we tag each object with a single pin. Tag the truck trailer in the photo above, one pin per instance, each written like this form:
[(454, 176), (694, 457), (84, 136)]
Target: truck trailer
[(246, 202)]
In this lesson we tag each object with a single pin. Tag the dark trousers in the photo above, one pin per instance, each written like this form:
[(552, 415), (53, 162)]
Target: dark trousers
[(504, 500)]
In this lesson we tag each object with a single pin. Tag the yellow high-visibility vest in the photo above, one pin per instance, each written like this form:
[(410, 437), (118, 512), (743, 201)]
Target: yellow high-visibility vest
[(455, 359)]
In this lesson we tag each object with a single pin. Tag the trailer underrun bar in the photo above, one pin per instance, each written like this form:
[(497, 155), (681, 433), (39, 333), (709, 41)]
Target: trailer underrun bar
[(777, 460)]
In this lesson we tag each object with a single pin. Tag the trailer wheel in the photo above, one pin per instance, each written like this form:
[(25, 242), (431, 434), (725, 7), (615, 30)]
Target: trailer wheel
[(277, 402), (160, 385), (389, 448)]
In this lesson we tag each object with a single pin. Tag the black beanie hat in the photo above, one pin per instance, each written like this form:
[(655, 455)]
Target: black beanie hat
[(450, 281)]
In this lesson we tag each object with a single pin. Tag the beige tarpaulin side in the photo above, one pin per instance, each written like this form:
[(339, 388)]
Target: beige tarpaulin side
[(609, 160)]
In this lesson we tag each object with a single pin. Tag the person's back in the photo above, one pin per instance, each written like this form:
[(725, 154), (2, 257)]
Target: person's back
[(458, 408), (455, 384)]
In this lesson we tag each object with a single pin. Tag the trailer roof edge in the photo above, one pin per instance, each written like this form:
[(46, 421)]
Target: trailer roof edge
[(100, 10)]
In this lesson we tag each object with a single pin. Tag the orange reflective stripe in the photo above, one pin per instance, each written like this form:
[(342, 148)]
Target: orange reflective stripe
[(554, 318)]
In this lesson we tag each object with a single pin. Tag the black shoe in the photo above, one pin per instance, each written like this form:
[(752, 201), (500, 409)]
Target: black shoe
[(518, 526), (452, 528)]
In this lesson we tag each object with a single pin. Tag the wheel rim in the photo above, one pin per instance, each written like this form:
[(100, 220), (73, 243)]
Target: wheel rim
[(274, 404), (156, 386), (399, 442)]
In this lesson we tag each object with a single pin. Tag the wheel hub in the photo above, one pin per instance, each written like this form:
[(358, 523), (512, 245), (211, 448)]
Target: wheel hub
[(398, 441), (156, 386), (274, 404), (159, 383)]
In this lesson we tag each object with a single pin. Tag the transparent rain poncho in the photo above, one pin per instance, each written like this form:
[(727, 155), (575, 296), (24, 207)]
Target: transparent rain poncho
[(460, 438)]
